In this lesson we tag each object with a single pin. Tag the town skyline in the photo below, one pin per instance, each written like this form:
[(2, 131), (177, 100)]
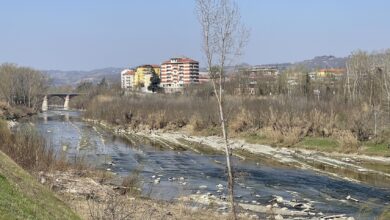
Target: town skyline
[(91, 35)]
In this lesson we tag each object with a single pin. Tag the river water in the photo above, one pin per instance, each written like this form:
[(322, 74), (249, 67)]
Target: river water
[(257, 183)]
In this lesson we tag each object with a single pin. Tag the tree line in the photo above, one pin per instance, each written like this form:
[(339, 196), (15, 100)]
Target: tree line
[(22, 85)]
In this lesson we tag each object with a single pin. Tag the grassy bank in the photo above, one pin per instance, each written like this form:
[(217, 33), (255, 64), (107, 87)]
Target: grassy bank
[(22, 197), (324, 144)]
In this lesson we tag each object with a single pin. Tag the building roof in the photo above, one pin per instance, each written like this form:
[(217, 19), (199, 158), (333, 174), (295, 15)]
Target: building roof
[(128, 72), (333, 70), (180, 60), (150, 65)]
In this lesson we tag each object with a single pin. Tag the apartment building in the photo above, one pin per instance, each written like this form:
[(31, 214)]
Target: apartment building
[(127, 78), (176, 73), (142, 71)]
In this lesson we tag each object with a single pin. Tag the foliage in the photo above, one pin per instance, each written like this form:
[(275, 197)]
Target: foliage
[(154, 83)]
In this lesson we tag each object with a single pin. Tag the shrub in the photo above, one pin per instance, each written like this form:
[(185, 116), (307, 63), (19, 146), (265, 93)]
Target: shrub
[(347, 140)]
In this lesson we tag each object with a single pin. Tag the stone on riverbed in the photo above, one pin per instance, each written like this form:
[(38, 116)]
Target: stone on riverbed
[(278, 217), (352, 199), (278, 199)]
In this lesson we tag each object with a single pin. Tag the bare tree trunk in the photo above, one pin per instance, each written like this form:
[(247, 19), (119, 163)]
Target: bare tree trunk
[(230, 185), (223, 37), (228, 164)]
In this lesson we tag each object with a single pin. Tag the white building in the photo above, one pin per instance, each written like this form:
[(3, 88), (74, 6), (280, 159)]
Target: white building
[(127, 79)]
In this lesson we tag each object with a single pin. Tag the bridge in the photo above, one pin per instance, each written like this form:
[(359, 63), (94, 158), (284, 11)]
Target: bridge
[(65, 96)]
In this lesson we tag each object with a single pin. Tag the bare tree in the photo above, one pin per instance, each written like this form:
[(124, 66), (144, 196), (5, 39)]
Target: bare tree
[(384, 69), (224, 36), (21, 85)]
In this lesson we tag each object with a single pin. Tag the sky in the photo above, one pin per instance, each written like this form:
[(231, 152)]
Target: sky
[(91, 34)]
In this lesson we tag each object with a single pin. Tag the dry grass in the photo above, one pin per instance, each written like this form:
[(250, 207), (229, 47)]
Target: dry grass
[(347, 141), (26, 147), (116, 207), (285, 121), (31, 151)]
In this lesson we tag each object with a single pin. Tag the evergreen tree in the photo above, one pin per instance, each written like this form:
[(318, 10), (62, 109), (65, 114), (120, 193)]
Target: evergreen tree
[(103, 84), (154, 82)]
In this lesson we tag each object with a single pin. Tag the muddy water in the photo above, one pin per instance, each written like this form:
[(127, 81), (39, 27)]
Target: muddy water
[(185, 172)]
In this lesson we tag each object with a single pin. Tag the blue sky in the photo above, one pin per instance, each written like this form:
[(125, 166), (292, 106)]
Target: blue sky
[(89, 34)]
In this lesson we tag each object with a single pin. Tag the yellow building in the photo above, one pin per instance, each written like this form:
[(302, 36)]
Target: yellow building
[(141, 71), (333, 72), (147, 80)]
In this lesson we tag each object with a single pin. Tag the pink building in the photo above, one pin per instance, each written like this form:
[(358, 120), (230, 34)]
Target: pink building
[(179, 72)]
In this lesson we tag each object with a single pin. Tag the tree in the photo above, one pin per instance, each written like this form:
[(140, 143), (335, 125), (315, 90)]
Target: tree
[(155, 80), (84, 86), (103, 84), (224, 37), (307, 90), (21, 85)]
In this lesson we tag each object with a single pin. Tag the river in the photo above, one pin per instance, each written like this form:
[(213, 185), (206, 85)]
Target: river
[(258, 183)]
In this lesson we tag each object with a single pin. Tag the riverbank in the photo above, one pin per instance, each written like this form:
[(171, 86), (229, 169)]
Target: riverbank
[(12, 113), (22, 197), (91, 194), (179, 141), (374, 170)]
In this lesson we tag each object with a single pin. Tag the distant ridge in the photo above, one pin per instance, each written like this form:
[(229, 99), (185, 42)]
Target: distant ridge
[(74, 77), (321, 62)]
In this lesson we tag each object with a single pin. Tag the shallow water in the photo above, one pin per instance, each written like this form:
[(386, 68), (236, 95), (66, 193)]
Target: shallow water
[(66, 132)]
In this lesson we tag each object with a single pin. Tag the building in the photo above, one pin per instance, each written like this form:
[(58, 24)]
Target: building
[(264, 71), (257, 80), (204, 77), (176, 73), (331, 73), (127, 78), (141, 71)]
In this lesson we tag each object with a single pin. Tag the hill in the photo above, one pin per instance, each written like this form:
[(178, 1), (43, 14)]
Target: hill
[(320, 62), (60, 77), (22, 197)]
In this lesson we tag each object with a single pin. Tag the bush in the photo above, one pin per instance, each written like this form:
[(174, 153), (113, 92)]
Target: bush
[(28, 148), (347, 140)]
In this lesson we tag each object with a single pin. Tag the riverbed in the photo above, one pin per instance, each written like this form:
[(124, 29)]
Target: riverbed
[(168, 174)]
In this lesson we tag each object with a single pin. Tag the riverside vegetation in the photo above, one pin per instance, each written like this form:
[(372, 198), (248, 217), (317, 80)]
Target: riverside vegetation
[(320, 125), (352, 115)]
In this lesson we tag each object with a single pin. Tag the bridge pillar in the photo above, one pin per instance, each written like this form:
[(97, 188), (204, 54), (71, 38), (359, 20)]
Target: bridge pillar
[(66, 103), (44, 104), (66, 116)]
